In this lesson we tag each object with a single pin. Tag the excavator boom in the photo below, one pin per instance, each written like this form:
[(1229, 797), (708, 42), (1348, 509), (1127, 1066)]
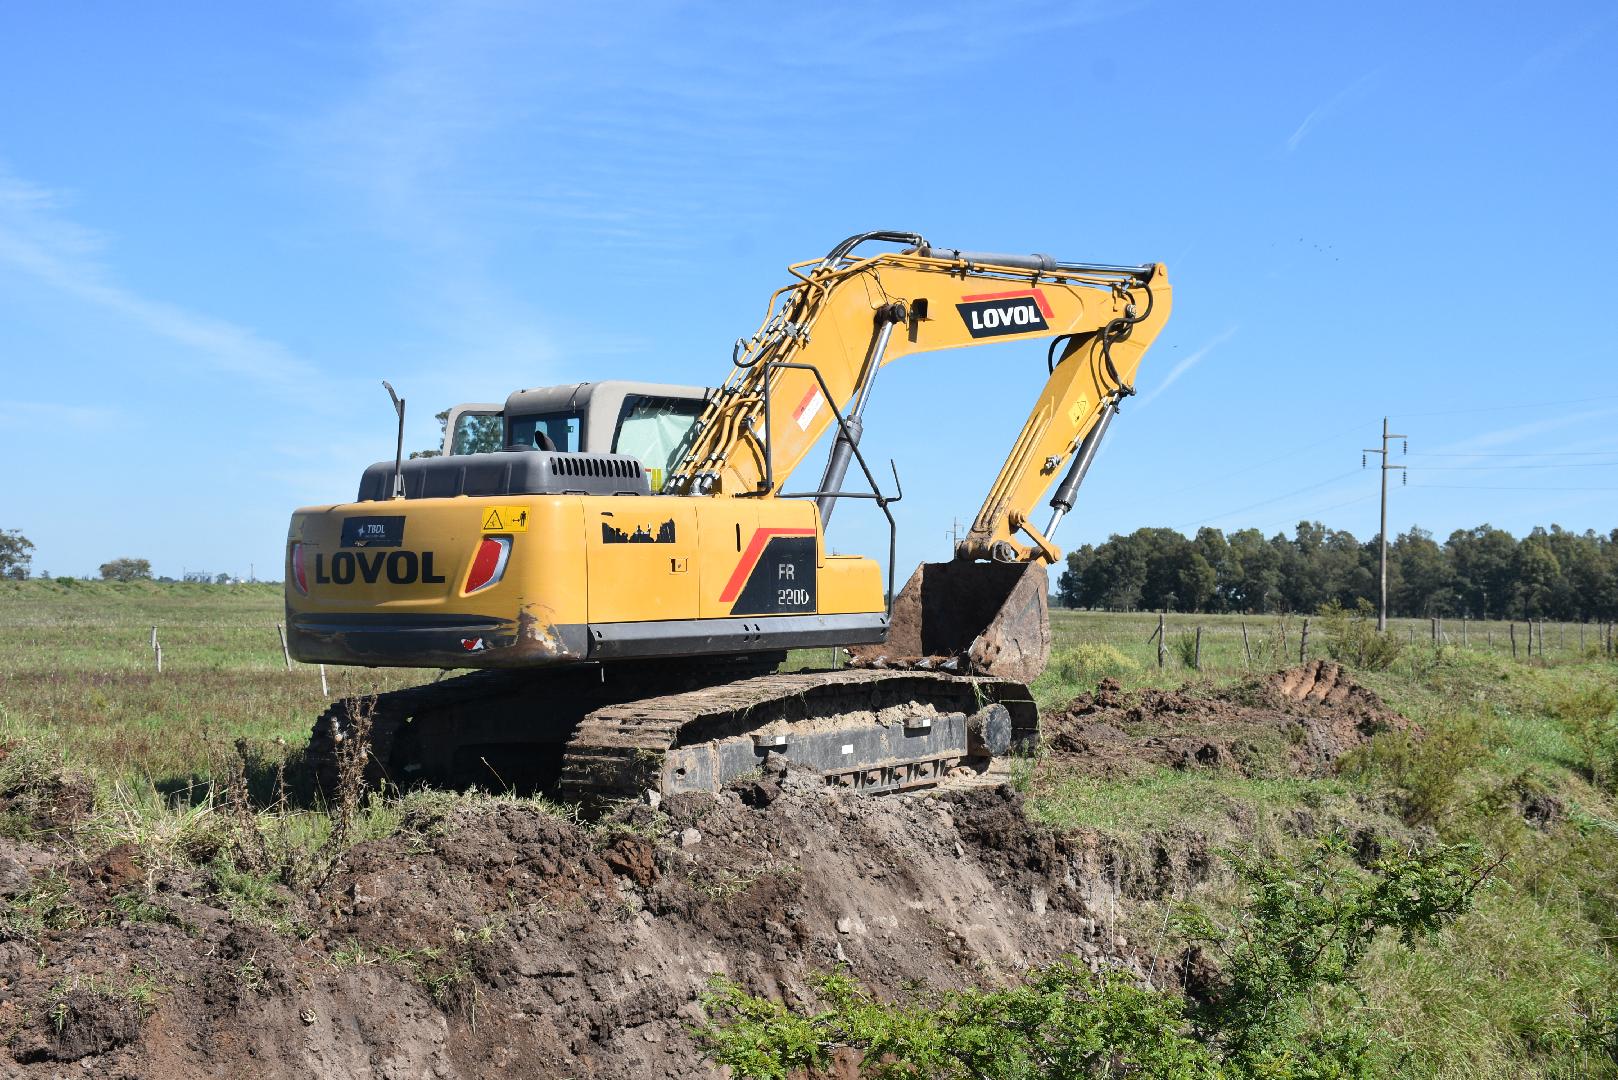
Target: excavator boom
[(827, 335)]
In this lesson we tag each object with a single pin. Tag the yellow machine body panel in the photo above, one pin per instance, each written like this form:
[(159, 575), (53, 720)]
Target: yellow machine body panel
[(529, 580), (690, 541)]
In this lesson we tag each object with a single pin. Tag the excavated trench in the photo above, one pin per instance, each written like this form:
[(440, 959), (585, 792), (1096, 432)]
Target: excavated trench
[(488, 935)]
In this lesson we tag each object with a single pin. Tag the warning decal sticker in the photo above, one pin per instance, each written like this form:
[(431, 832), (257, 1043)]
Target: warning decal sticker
[(804, 414), (505, 519)]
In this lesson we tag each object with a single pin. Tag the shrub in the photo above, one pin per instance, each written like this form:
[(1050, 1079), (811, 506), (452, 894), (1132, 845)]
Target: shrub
[(1591, 718), (1088, 663), (1425, 769), (1185, 647), (1305, 928), (1352, 637), (1307, 925), (1061, 1022)]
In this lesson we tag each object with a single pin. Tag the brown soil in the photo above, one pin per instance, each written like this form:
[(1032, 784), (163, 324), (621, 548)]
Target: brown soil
[(500, 939), (1294, 722)]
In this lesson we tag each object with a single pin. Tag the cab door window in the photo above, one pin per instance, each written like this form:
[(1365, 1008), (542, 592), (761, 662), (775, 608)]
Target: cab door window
[(560, 431), (656, 430)]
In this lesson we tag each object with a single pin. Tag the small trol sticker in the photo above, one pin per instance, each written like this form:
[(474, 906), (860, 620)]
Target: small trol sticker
[(1023, 311), (373, 531), (804, 414), (505, 519)]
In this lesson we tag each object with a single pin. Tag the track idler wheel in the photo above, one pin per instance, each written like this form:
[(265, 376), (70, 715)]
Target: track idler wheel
[(988, 732)]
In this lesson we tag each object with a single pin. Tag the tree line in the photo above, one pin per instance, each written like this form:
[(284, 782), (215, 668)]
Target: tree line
[(1482, 572)]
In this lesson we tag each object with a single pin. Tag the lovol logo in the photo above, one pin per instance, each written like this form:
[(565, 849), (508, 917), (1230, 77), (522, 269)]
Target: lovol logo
[(400, 567), (994, 314)]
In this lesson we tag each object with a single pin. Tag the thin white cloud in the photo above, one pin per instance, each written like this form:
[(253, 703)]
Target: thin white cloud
[(37, 240), (1553, 55), (1188, 363), (57, 417), (1331, 105), (1517, 432)]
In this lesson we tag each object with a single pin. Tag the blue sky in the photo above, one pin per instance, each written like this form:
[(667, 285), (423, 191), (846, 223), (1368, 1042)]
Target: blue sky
[(222, 225)]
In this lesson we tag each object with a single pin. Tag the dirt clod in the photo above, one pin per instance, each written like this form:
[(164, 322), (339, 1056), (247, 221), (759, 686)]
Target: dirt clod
[(1295, 722)]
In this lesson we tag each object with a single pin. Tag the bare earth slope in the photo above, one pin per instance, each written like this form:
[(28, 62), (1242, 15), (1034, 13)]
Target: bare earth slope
[(499, 937)]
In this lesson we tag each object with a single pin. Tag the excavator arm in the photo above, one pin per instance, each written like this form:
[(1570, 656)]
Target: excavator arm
[(816, 358)]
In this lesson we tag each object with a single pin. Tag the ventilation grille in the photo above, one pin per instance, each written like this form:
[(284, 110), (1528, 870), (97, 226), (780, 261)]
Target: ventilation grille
[(586, 465)]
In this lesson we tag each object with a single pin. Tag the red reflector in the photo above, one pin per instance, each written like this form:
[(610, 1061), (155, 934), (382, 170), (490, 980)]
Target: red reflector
[(489, 564), (297, 569)]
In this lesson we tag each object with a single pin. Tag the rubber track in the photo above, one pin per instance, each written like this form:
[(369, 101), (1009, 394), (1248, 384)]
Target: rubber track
[(618, 751), (389, 712)]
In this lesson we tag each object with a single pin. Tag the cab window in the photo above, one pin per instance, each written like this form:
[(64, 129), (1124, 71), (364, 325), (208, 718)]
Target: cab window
[(477, 433), (565, 430), (656, 430)]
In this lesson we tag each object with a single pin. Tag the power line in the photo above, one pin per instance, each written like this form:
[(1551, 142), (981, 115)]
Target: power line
[(1277, 522), (1243, 509), (1511, 408), (1497, 468), (1291, 455), (1490, 487), (1491, 453)]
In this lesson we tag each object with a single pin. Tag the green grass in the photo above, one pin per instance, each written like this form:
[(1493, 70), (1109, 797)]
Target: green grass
[(79, 670), (1512, 989)]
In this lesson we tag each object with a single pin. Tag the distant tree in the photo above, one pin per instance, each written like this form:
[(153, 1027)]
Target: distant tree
[(126, 569), (437, 451), (16, 554), (1070, 585), (221, 579), (1482, 559), (477, 434), (1425, 575), (1537, 574)]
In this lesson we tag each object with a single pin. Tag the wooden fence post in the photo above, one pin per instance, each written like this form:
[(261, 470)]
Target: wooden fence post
[(1303, 643), (1197, 660), (325, 691), (1247, 650), (1463, 631), (286, 657), (1162, 641), (1514, 641)]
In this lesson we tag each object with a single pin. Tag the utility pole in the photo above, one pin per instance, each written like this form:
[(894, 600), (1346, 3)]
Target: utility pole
[(1382, 607)]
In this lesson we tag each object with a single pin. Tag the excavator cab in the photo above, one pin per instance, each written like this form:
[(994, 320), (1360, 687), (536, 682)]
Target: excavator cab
[(651, 422)]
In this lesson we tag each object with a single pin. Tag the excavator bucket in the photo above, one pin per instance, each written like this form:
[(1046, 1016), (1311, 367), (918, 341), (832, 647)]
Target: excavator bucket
[(970, 618)]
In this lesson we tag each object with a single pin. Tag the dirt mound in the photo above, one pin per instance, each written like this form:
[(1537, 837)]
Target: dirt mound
[(501, 938), (1294, 722)]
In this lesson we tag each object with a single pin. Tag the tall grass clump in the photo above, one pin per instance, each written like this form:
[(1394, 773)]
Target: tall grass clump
[(1591, 718), (1353, 639)]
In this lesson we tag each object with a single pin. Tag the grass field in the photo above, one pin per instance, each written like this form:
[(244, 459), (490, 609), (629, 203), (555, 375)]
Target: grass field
[(1520, 986)]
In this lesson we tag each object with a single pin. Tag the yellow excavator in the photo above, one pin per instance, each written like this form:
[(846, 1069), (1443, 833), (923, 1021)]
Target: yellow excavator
[(625, 565)]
